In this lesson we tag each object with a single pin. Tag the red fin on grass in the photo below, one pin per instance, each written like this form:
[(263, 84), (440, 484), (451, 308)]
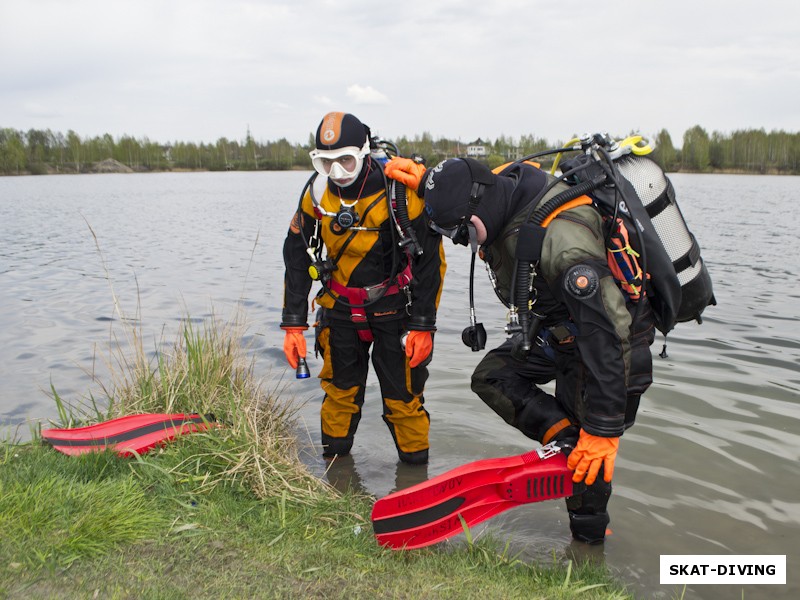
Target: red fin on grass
[(126, 435)]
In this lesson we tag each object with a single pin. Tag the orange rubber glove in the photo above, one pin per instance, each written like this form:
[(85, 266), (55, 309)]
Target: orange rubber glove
[(294, 345), (418, 347), (590, 453), (405, 171)]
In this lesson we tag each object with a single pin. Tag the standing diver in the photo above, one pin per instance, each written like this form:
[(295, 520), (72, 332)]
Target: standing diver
[(367, 241), (583, 331)]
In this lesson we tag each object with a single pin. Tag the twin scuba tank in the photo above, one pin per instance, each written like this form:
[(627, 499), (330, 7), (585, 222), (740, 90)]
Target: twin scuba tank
[(678, 283)]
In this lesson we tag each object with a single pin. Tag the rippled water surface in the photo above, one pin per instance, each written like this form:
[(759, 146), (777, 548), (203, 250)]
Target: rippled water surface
[(711, 466)]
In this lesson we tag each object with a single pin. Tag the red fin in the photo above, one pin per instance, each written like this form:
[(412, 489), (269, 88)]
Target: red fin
[(125, 435), (431, 511)]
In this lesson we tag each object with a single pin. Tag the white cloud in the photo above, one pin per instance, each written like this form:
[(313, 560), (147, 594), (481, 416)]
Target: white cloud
[(366, 95), (35, 109)]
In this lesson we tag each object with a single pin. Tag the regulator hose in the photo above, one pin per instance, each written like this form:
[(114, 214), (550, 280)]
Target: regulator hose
[(401, 211), (581, 189)]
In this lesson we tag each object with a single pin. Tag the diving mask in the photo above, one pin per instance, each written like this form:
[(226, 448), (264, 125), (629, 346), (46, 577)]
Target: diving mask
[(341, 165), (459, 234)]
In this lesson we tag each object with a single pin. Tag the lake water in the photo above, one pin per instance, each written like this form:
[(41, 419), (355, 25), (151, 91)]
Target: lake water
[(711, 466)]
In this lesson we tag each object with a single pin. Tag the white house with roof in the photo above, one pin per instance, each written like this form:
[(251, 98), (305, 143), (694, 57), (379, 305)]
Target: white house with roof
[(477, 149)]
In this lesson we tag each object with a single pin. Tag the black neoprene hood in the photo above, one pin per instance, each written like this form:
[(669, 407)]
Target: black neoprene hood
[(340, 130), (446, 191)]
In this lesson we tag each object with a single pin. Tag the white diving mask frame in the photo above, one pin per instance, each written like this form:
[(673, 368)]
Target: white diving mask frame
[(341, 165)]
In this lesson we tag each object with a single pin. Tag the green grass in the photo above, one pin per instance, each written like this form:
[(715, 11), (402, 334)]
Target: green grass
[(227, 513)]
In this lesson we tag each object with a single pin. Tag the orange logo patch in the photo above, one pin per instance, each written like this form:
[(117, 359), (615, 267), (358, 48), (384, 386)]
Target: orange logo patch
[(295, 226), (331, 127)]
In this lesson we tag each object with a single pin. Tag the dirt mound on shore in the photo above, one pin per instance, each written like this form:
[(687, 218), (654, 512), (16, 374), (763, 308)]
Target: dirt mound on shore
[(110, 165)]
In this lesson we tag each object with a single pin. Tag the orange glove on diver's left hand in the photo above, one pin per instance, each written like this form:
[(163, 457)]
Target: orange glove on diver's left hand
[(418, 347), (405, 171), (590, 453)]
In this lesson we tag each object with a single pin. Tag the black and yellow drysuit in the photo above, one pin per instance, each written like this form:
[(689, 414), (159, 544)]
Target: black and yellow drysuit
[(376, 293)]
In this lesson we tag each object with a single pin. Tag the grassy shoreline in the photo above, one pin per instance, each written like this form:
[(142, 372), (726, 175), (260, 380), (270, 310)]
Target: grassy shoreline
[(231, 512)]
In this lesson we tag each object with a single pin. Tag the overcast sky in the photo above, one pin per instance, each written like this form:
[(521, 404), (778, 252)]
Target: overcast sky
[(198, 70)]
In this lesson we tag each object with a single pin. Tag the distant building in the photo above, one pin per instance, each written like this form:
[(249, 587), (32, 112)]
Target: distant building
[(514, 153), (477, 149)]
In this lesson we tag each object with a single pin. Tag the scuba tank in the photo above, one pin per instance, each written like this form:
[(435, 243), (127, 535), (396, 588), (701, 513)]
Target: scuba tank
[(657, 196), (638, 191), (623, 185)]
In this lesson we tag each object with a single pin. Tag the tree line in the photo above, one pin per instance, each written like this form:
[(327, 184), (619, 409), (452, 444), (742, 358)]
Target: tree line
[(44, 151)]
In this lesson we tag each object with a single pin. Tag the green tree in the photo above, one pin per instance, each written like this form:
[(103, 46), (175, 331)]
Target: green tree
[(530, 144), (127, 151), (279, 155), (59, 144), (37, 151), (75, 148), (495, 160), (695, 151), (664, 153), (719, 151), (251, 150), (225, 155), (12, 152), (38, 142)]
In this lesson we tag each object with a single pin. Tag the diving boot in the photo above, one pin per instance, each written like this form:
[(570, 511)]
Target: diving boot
[(420, 457), (336, 446), (588, 514), (590, 529)]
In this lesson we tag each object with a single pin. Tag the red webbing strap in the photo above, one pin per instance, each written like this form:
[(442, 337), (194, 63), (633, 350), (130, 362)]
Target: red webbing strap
[(357, 297)]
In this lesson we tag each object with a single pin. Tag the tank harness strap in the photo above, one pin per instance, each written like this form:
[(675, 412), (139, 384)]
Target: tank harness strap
[(531, 239), (689, 259), (359, 296), (664, 201), (659, 205)]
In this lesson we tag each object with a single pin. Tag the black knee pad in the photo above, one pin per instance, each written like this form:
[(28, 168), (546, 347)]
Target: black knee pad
[(539, 414)]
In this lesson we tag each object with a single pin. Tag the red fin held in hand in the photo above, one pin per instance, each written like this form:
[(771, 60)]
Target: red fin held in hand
[(433, 510)]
